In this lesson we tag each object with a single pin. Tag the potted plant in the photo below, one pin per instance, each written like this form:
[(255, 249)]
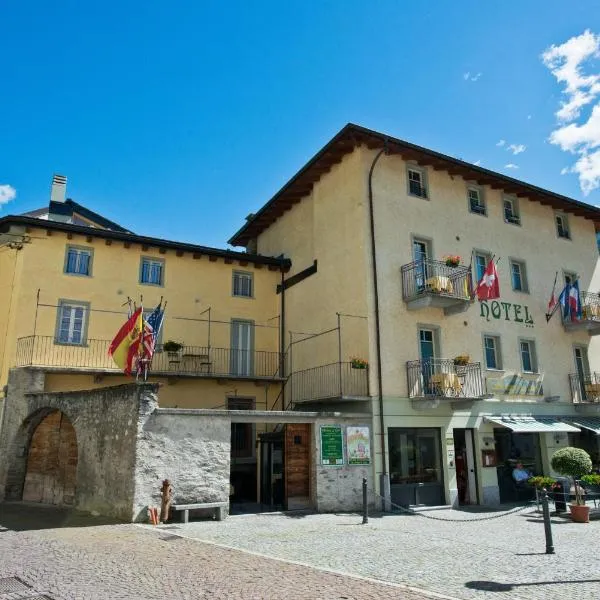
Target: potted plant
[(451, 260), (541, 482), (358, 363), (172, 349), (462, 360), (591, 483), (574, 463)]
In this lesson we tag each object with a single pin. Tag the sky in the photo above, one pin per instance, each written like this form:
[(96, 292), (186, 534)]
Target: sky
[(179, 119)]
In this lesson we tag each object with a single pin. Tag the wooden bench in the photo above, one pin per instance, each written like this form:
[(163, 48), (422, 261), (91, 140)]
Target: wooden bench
[(218, 512)]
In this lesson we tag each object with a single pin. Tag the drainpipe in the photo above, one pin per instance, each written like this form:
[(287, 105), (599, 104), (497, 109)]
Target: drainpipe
[(384, 483), (282, 340)]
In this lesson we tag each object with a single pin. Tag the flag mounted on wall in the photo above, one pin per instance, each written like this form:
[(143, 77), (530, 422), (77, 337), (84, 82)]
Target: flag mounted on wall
[(553, 302), (121, 347), (571, 301), (489, 287)]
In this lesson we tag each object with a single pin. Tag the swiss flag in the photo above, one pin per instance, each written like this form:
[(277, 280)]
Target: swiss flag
[(489, 288)]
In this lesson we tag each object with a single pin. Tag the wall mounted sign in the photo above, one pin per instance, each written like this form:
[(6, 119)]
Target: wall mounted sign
[(332, 446), (358, 444), (513, 384), (507, 311)]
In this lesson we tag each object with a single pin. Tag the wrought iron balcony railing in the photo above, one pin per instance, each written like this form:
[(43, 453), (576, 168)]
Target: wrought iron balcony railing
[(434, 283), (336, 380), (590, 315), (441, 378), (43, 351), (585, 387)]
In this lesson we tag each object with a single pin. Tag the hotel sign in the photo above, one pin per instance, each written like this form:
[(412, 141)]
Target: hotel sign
[(507, 311)]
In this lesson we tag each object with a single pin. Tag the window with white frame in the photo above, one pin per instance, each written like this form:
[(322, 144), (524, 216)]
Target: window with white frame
[(416, 182), (491, 349), (528, 356), (78, 261), (243, 284), (511, 211), (562, 226), (72, 322), (476, 201), (518, 276), (152, 271), (481, 261)]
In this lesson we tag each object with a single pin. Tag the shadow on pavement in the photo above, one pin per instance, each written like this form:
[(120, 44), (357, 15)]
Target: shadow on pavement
[(494, 586), (23, 516)]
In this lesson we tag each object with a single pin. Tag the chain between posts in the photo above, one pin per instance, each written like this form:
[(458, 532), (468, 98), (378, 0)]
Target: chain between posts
[(426, 516)]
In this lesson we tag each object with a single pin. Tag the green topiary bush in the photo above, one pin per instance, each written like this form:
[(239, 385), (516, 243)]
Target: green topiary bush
[(573, 462)]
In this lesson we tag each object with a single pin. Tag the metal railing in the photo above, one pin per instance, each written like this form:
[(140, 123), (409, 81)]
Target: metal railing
[(435, 277), (335, 380), (44, 351), (590, 306), (585, 387), (441, 378)]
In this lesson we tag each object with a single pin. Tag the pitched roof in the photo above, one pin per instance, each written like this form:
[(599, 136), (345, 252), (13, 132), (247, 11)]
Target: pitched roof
[(352, 136), (274, 263), (69, 207)]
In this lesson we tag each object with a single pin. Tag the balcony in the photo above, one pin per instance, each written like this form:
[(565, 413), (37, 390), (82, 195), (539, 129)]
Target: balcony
[(190, 361), (590, 315), (440, 379), (585, 388), (433, 283), (336, 381)]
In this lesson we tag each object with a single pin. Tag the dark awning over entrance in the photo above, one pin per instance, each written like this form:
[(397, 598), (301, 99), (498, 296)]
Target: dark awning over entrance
[(533, 424), (590, 423)]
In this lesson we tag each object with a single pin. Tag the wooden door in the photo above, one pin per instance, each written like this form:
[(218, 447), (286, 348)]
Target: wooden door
[(297, 465)]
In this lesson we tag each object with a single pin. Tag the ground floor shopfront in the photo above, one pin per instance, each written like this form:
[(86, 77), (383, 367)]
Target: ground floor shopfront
[(467, 456)]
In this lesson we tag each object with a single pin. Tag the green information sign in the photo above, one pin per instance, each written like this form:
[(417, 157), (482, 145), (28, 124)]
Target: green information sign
[(332, 447)]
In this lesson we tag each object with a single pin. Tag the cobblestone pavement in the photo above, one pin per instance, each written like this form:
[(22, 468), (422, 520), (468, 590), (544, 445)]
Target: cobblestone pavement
[(502, 558), (129, 562)]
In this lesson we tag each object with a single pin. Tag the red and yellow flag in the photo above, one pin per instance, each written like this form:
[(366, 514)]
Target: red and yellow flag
[(127, 337)]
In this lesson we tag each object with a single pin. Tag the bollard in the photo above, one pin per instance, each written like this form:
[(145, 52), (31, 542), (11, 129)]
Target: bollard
[(547, 526), (365, 502)]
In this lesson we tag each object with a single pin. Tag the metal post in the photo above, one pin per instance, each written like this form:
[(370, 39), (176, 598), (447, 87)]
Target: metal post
[(339, 328), (365, 502), (547, 526)]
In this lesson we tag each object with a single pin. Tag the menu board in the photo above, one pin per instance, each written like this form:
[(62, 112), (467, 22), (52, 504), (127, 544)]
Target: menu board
[(332, 446)]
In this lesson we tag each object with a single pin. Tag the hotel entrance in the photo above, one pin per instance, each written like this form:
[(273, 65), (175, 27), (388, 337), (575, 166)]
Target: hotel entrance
[(466, 475)]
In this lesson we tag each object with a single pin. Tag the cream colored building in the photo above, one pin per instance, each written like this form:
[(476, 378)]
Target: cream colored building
[(366, 224)]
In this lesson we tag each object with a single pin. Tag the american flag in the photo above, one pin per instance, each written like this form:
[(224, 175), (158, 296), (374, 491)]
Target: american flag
[(152, 326)]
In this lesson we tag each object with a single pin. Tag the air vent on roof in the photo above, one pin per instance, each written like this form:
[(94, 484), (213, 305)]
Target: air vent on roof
[(59, 188)]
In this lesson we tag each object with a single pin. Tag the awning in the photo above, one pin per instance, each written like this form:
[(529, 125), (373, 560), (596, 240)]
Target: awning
[(591, 423), (533, 424)]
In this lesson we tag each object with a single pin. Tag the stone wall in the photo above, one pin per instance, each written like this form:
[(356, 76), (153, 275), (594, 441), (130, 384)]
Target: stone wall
[(339, 488), (191, 450), (105, 426)]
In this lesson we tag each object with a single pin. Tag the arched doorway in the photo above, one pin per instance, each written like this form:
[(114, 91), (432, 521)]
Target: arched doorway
[(51, 475)]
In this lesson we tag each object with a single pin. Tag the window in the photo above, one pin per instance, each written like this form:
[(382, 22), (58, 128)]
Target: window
[(72, 322), (481, 260), (415, 455), (518, 276), (476, 202), (528, 356), (152, 271), (242, 284), (416, 183), (78, 261), (511, 211), (562, 226), (491, 347)]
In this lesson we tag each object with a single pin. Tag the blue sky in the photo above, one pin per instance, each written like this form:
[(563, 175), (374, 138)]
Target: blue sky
[(178, 119)]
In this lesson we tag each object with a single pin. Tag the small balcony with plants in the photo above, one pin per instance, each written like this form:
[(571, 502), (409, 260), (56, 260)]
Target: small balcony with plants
[(590, 315), (445, 379), (585, 388), (442, 283)]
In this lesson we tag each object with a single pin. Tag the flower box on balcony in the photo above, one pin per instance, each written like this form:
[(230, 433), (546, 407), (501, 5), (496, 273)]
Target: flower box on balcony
[(358, 363), (462, 360)]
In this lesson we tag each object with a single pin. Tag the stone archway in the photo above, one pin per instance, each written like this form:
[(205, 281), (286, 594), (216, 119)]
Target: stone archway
[(51, 475)]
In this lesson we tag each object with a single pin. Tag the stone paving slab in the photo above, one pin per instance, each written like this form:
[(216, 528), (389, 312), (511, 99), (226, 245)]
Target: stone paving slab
[(499, 558), (129, 562)]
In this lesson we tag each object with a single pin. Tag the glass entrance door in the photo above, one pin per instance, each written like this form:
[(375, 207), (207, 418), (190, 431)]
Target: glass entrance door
[(428, 354), (421, 256), (242, 342), (583, 368)]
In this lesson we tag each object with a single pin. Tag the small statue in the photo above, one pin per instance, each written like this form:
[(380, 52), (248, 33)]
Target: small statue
[(167, 497)]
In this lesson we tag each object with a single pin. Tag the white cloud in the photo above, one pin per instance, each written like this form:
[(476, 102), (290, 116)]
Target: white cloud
[(528, 117), (511, 166), (517, 148), (574, 134), (565, 170), (468, 76), (7, 193), (501, 143)]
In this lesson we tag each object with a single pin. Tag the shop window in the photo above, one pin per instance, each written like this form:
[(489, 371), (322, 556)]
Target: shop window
[(415, 455)]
